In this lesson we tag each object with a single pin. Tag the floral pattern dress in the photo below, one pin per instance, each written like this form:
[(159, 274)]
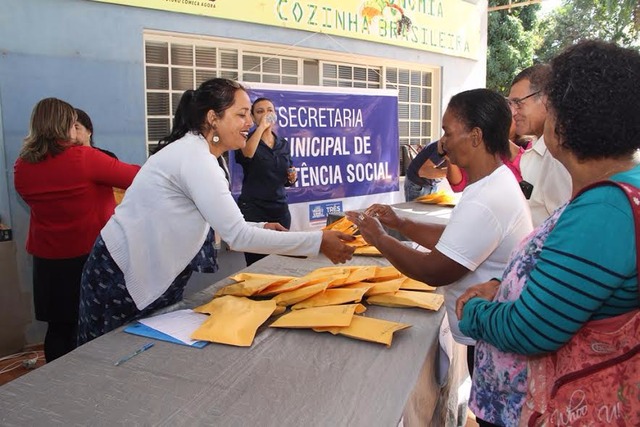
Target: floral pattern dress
[(499, 383)]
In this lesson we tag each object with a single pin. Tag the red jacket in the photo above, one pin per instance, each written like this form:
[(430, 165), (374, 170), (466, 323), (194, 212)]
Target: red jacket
[(71, 199)]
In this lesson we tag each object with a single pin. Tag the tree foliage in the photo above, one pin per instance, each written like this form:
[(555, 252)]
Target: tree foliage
[(511, 43), (616, 21)]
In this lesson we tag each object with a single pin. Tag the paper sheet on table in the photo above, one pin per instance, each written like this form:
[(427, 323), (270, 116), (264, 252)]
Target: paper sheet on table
[(368, 329), (177, 324), (331, 297), (233, 320), (426, 300), (333, 315)]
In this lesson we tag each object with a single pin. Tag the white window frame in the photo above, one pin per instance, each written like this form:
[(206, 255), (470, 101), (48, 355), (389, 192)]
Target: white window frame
[(430, 125)]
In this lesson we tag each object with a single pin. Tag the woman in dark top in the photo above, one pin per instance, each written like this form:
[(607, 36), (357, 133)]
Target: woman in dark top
[(267, 167)]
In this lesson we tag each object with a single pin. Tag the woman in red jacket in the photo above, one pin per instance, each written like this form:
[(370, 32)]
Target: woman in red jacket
[(63, 183)]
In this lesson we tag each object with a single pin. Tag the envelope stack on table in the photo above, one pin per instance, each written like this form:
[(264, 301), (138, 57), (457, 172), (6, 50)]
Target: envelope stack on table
[(327, 299)]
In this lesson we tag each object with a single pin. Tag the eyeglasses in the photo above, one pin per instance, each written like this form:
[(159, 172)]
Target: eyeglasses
[(517, 102)]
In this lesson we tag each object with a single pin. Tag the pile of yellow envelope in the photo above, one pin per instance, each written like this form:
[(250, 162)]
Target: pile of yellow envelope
[(440, 197), (327, 299)]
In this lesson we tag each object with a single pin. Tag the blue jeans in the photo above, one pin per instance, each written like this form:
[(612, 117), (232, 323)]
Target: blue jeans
[(412, 190)]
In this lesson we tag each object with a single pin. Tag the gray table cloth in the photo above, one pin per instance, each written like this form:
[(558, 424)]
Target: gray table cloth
[(286, 378)]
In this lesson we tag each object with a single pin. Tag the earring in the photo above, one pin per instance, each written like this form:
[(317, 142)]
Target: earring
[(215, 139)]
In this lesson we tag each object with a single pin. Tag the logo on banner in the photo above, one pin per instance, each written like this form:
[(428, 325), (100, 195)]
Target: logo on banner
[(321, 211)]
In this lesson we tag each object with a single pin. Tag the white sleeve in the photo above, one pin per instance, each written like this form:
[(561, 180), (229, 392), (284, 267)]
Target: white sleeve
[(204, 182), (472, 234)]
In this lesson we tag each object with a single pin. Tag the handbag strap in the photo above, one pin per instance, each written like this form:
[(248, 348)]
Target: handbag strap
[(633, 194)]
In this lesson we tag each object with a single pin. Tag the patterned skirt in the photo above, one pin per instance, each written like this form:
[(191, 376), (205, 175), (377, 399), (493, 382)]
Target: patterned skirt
[(105, 302)]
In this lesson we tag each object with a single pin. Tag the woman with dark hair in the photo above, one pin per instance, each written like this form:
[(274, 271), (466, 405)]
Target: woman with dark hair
[(165, 219), (84, 132), (491, 217), (267, 167), (64, 185), (579, 266)]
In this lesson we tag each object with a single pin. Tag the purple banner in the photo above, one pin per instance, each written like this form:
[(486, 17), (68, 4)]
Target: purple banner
[(342, 144)]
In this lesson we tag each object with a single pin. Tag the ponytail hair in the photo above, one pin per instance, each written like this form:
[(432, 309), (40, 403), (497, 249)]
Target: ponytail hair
[(215, 94)]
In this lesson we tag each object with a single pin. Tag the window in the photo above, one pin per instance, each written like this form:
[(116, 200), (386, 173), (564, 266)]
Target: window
[(174, 64)]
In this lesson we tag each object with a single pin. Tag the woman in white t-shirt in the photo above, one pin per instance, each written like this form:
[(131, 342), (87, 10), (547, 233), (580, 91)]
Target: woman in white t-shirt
[(491, 217)]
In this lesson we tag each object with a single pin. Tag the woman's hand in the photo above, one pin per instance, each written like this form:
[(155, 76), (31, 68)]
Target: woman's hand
[(275, 226), (486, 290), (385, 214), (333, 246), (292, 175), (369, 226)]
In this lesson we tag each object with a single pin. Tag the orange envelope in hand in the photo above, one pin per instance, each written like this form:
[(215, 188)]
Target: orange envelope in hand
[(426, 300), (368, 329), (367, 251), (233, 320), (331, 297), (333, 315)]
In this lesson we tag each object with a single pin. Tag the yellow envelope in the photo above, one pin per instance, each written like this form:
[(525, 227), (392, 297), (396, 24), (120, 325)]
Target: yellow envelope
[(343, 224), (251, 283), (368, 329), (415, 285), (332, 315), (361, 273), (386, 287), (357, 242), (279, 310), (233, 320), (360, 285), (332, 297), (439, 197), (426, 300), (288, 298), (386, 273), (336, 274), (367, 251)]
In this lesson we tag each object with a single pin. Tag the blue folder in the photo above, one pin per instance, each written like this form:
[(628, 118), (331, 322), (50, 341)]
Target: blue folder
[(138, 328)]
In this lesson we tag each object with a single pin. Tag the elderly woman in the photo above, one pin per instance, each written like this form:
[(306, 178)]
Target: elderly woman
[(580, 265), (491, 217)]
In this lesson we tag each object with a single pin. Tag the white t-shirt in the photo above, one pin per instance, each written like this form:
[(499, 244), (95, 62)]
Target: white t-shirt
[(164, 218), (491, 218), (551, 181)]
